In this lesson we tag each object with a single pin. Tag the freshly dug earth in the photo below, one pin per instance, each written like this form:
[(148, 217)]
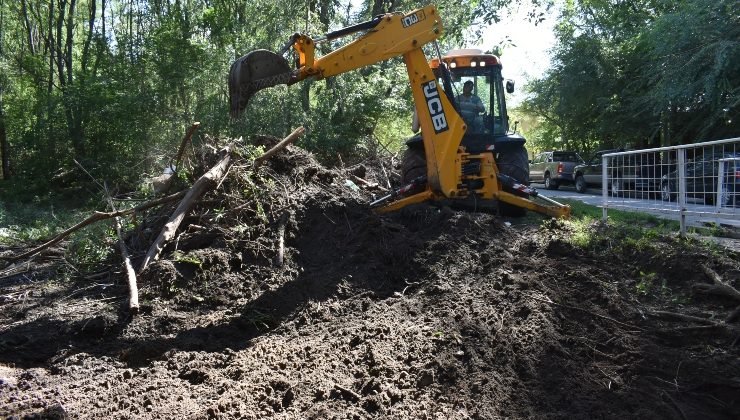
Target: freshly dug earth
[(425, 313)]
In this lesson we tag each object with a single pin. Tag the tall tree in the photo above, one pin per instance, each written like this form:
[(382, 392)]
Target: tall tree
[(642, 73), (4, 158)]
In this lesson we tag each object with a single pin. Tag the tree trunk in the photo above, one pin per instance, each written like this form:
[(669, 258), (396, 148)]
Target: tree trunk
[(88, 39), (3, 133), (4, 142), (29, 31), (64, 44)]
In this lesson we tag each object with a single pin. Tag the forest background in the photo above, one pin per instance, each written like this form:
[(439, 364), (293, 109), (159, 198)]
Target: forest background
[(111, 85)]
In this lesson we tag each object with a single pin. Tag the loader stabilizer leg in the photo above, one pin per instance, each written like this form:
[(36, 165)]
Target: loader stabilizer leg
[(557, 211), (421, 197)]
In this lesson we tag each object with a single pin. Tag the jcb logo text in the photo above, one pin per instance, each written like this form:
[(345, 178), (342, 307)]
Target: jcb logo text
[(434, 103)]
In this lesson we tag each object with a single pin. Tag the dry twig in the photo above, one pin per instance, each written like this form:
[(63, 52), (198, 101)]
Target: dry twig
[(279, 258)]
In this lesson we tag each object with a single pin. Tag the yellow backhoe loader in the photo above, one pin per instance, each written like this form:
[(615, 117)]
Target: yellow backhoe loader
[(463, 153)]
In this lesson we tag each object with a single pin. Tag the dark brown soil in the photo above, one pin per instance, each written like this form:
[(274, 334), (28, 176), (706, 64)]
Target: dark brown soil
[(424, 313)]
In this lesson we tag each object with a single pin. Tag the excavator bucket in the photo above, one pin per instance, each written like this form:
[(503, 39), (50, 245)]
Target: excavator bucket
[(253, 72)]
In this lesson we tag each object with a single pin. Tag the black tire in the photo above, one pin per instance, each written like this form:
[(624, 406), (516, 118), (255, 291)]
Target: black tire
[(413, 165), (514, 162), (581, 184), (550, 184)]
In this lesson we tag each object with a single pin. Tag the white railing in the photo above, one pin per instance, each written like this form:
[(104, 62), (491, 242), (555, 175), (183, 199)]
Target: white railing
[(699, 181)]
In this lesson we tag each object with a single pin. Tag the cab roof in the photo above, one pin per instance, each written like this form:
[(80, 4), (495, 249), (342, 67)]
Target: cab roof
[(468, 57)]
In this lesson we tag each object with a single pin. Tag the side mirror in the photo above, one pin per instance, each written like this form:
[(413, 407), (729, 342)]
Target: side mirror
[(510, 86)]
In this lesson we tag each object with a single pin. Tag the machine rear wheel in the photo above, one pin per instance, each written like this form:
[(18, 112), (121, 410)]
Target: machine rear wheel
[(514, 162), (413, 164)]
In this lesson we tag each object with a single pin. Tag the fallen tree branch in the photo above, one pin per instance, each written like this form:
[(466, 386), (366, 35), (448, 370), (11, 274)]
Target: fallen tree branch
[(184, 143), (96, 217), (368, 184), (385, 174), (718, 288), (206, 182), (682, 317), (162, 183), (133, 300), (280, 146)]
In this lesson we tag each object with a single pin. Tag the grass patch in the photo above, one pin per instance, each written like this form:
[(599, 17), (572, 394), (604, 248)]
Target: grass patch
[(623, 229), (583, 211), (25, 222), (30, 222)]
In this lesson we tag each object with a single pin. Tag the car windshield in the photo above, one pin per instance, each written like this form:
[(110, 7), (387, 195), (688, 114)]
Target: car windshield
[(565, 157)]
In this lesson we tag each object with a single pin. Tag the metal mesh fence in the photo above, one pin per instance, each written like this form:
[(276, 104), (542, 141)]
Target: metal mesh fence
[(700, 181)]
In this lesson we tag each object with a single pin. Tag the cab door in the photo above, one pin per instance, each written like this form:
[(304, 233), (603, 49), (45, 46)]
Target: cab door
[(592, 172), (537, 168)]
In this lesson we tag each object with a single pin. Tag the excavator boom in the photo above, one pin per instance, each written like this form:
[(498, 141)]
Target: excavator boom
[(448, 166)]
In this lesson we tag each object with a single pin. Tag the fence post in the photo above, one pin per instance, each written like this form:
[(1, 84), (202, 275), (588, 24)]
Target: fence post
[(682, 188), (720, 181), (604, 188)]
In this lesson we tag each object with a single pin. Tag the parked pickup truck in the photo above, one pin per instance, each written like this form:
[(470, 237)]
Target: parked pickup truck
[(589, 174), (635, 174), (553, 168)]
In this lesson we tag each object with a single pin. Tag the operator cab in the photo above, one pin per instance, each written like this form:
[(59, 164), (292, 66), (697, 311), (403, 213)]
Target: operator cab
[(484, 107)]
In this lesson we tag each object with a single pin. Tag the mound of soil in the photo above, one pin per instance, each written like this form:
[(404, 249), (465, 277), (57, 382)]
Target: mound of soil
[(423, 313)]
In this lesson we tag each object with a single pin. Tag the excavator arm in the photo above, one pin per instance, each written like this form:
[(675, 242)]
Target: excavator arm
[(387, 36)]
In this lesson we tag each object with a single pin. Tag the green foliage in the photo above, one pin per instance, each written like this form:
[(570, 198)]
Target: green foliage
[(645, 284), (90, 246), (117, 92), (643, 73), (627, 231), (178, 256), (23, 222)]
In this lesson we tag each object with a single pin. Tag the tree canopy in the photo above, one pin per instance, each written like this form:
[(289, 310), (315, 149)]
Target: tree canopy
[(112, 84), (640, 73)]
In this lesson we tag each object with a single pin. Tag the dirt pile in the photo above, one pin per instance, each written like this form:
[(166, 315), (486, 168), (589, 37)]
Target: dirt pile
[(425, 313)]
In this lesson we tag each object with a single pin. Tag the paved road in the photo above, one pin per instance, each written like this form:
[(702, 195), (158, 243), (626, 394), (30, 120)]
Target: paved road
[(697, 213)]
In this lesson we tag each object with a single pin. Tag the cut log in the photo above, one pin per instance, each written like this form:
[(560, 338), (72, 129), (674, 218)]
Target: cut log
[(368, 184), (133, 301), (206, 182)]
